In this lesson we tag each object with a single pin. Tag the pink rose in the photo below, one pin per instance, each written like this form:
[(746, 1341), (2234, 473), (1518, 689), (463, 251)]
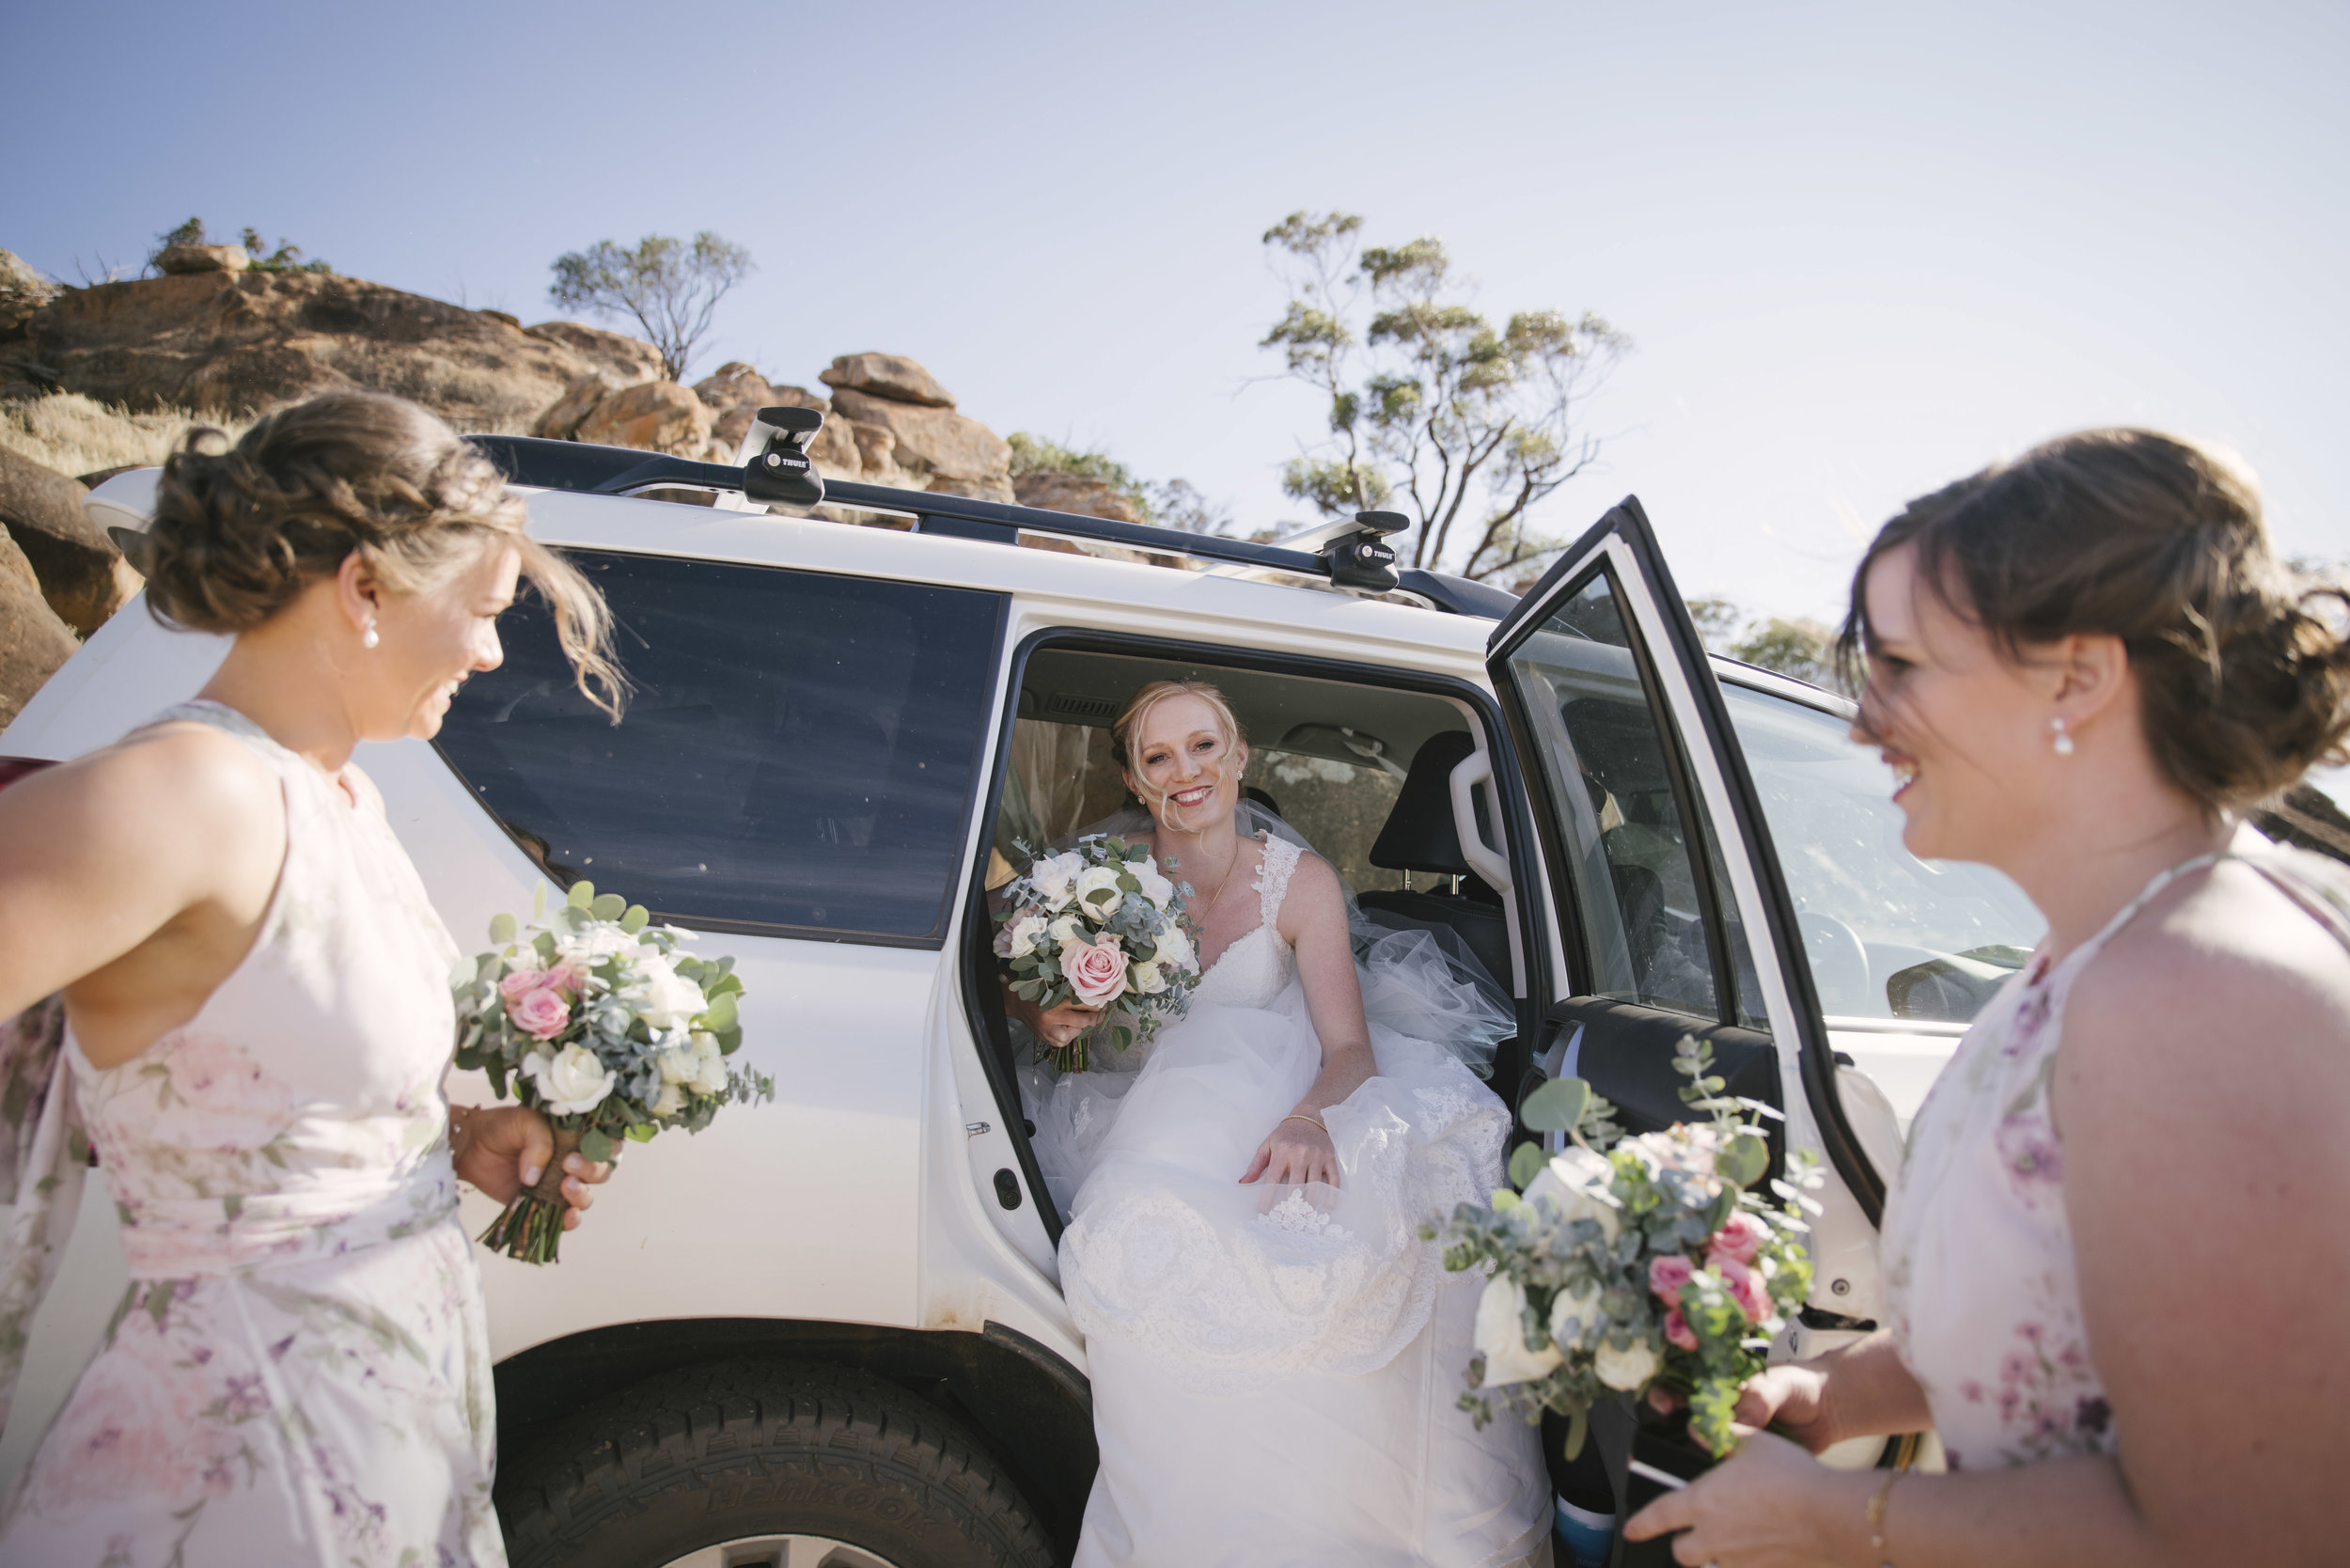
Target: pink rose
[(566, 977), (1744, 1287), (1096, 971), (520, 982), (540, 1013), (1678, 1332), (1741, 1237), (1667, 1275)]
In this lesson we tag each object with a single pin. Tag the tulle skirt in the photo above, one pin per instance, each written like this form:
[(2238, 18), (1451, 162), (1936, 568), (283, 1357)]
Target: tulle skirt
[(1275, 1369)]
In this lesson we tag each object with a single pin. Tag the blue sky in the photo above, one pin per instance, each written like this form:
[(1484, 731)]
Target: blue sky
[(1862, 249)]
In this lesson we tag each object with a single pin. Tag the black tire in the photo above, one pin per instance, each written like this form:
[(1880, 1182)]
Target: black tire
[(720, 1452)]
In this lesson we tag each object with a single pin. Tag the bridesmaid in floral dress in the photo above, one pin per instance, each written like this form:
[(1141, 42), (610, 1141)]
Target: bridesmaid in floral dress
[(249, 1020), (2114, 1254)]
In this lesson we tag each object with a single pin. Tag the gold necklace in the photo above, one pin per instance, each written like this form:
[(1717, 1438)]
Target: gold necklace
[(1229, 867)]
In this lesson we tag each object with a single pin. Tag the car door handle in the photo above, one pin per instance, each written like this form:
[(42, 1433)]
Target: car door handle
[(1471, 771)]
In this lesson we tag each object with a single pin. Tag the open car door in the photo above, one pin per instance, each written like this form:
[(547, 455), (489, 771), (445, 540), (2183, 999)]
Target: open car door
[(1671, 913)]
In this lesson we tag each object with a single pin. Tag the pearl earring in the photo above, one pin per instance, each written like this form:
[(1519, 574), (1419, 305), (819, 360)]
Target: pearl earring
[(367, 639), (2063, 742)]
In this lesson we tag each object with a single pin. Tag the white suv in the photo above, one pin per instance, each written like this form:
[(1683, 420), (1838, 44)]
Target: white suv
[(828, 1330)]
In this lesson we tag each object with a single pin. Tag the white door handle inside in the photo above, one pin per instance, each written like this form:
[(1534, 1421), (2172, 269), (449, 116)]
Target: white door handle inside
[(1474, 769)]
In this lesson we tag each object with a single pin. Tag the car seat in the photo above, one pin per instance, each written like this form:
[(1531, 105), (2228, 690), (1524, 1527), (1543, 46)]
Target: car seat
[(1420, 837)]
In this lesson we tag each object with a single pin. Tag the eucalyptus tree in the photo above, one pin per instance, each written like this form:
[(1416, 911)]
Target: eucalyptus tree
[(671, 288)]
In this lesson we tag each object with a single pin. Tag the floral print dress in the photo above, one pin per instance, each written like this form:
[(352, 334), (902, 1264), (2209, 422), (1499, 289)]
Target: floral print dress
[(299, 1373), (1981, 1296)]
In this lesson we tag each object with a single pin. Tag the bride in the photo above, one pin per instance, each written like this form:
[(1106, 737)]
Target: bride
[(1276, 1352)]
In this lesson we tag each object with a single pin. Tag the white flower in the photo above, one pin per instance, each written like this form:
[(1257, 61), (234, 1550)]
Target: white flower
[(571, 1083), (1582, 1309), (1054, 878), (1155, 886), (710, 1066), (1066, 930), (663, 997), (1629, 1369), (598, 942), (1146, 978), (1502, 1335), (1024, 935), (676, 1063), (1174, 949), (672, 1100), (1092, 880), (1575, 1183)]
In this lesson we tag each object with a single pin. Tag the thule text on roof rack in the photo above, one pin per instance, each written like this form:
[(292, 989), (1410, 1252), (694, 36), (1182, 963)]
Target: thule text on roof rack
[(576, 465)]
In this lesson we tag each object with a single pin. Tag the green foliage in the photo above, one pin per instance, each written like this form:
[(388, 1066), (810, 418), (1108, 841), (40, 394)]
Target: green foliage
[(1432, 407), (671, 288), (287, 258), (1802, 647), (1169, 503)]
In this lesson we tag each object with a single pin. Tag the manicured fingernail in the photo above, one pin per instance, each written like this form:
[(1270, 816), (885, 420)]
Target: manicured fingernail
[(531, 1174)]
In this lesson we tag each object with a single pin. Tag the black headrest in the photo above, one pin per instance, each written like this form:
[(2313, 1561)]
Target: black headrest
[(1420, 836)]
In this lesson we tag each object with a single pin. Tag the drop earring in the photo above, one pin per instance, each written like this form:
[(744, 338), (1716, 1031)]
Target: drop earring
[(367, 639), (2063, 742)]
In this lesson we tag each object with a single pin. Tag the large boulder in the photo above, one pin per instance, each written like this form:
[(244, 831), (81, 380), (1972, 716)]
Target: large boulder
[(237, 343), (180, 260), (735, 393), (622, 360), (886, 375), (937, 447), (82, 575), (33, 641), (1075, 492), (563, 417), (658, 416), (22, 291)]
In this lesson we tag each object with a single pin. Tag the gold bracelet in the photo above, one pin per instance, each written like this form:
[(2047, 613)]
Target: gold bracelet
[(1300, 1116), (1876, 1516)]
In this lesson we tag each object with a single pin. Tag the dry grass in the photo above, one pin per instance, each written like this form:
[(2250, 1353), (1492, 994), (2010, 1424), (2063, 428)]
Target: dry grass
[(75, 435)]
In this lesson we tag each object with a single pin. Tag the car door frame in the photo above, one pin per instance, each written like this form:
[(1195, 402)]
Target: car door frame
[(1675, 666)]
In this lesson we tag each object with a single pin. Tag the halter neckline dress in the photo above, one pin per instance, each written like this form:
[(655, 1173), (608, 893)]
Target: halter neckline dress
[(299, 1373), (1981, 1294), (1275, 1369)]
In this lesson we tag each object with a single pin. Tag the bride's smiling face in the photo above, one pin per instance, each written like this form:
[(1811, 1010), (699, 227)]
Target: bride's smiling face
[(1184, 766)]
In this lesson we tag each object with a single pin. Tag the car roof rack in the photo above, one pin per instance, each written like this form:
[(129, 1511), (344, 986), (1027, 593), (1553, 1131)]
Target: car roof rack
[(578, 465)]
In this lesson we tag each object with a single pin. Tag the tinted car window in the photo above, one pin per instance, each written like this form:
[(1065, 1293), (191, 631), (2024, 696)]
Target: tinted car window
[(799, 752)]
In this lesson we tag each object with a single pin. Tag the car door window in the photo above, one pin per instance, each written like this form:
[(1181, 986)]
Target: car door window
[(1646, 871), (799, 754)]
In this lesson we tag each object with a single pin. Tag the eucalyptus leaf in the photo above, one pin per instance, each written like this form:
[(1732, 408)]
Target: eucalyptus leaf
[(583, 893), (1578, 1428), (721, 1012), (1742, 1160), (635, 919), (1526, 1163), (538, 902), (1557, 1107), (501, 929), (595, 1145), (607, 906)]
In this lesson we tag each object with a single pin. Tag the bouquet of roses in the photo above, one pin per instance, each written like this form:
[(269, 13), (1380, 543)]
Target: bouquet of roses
[(1099, 925), (1632, 1264), (603, 1025)]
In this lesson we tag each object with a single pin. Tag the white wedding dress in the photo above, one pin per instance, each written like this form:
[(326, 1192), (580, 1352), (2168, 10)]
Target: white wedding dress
[(1275, 1369)]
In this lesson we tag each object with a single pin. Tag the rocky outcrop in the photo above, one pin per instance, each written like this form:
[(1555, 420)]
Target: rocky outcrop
[(735, 393), (936, 447), (622, 361), (564, 417), (1075, 493), (657, 416), (33, 641), (22, 291), (180, 260), (891, 376), (240, 342), (81, 574)]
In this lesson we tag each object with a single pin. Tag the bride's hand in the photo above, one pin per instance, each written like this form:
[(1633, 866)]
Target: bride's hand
[(1298, 1151)]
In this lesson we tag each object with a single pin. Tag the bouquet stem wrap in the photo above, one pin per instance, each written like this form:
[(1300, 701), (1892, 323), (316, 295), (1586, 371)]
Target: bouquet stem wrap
[(530, 1227)]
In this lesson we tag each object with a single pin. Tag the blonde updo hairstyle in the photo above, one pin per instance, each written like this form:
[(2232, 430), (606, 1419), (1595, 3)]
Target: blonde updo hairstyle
[(2242, 673), (1139, 706), (241, 530)]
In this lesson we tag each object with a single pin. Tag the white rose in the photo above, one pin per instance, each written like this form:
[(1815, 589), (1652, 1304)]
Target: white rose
[(663, 997), (596, 944), (1582, 1310), (1054, 878), (1174, 949), (1146, 978), (710, 1066), (1065, 930), (1628, 1370), (1024, 935), (1092, 880), (571, 1083), (672, 1100), (676, 1063), (1155, 886), (1575, 1183), (1502, 1335)]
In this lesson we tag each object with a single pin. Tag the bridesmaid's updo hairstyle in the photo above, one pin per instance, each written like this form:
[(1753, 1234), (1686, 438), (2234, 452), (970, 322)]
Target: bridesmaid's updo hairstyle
[(241, 530), (2244, 671)]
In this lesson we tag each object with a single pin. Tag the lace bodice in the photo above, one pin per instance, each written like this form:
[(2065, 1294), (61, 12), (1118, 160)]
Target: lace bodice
[(1257, 967)]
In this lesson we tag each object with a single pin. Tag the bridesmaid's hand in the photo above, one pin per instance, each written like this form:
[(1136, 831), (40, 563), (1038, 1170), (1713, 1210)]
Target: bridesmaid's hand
[(1298, 1151), (504, 1150), (1058, 1026), (1768, 1505)]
